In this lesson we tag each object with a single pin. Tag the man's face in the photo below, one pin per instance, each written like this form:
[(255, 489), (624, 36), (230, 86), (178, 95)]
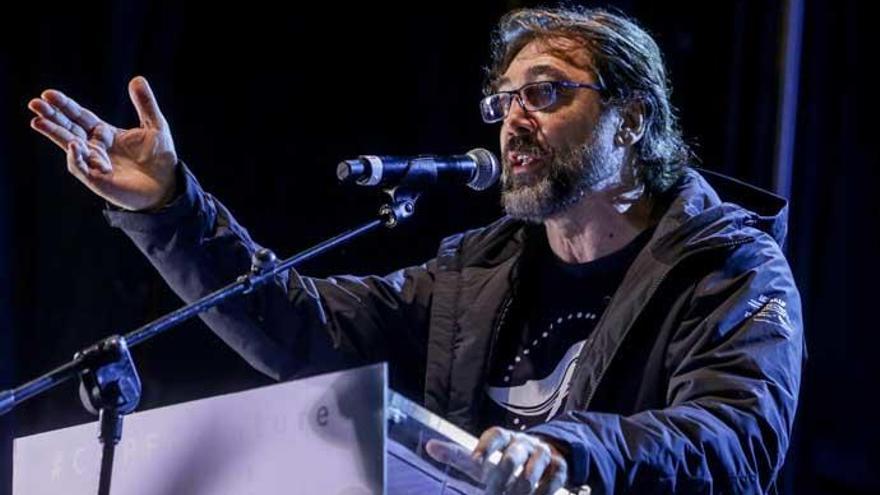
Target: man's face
[(554, 156)]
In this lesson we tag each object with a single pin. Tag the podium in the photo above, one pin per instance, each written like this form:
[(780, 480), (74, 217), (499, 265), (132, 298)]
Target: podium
[(341, 433)]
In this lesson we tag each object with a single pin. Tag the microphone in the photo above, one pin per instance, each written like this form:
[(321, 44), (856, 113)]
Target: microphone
[(478, 169)]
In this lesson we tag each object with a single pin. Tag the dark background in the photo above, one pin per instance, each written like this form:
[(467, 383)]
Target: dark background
[(264, 100)]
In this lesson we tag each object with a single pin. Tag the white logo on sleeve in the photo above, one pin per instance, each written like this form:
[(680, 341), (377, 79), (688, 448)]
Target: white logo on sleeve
[(766, 309)]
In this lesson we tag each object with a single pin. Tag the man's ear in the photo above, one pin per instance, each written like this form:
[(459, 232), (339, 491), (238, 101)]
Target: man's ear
[(632, 123)]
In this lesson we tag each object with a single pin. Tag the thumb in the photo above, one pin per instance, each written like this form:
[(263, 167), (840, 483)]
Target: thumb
[(456, 456), (145, 103)]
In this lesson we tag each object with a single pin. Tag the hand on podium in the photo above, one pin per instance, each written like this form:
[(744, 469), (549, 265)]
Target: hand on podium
[(507, 462)]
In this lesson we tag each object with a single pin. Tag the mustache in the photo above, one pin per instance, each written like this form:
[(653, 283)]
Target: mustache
[(526, 144)]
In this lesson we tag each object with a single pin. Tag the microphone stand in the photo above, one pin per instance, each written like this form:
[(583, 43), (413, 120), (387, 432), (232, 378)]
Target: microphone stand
[(109, 384)]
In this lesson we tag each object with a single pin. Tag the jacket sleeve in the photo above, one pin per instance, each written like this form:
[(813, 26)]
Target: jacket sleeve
[(294, 325), (735, 365)]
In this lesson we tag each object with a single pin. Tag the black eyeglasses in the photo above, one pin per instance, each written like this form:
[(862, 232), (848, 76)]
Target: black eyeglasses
[(532, 96)]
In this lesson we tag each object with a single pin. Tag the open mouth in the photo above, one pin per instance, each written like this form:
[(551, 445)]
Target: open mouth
[(524, 162)]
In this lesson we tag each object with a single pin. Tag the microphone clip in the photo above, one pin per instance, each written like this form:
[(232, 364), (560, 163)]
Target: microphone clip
[(402, 205)]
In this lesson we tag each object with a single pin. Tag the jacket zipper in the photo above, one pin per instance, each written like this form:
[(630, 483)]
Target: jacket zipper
[(493, 339), (496, 331)]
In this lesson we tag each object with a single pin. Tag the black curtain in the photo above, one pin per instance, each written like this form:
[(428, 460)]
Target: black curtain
[(264, 100), (834, 243), (7, 362)]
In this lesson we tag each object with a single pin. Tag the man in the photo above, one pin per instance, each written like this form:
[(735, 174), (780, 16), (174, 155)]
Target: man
[(622, 327)]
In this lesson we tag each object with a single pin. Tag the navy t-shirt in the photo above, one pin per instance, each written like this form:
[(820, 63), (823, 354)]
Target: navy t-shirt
[(556, 309)]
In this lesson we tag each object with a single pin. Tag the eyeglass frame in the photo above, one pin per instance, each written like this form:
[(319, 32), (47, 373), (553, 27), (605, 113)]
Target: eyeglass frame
[(517, 94)]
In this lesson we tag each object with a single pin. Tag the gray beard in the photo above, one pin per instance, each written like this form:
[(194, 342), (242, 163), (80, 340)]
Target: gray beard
[(562, 181)]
